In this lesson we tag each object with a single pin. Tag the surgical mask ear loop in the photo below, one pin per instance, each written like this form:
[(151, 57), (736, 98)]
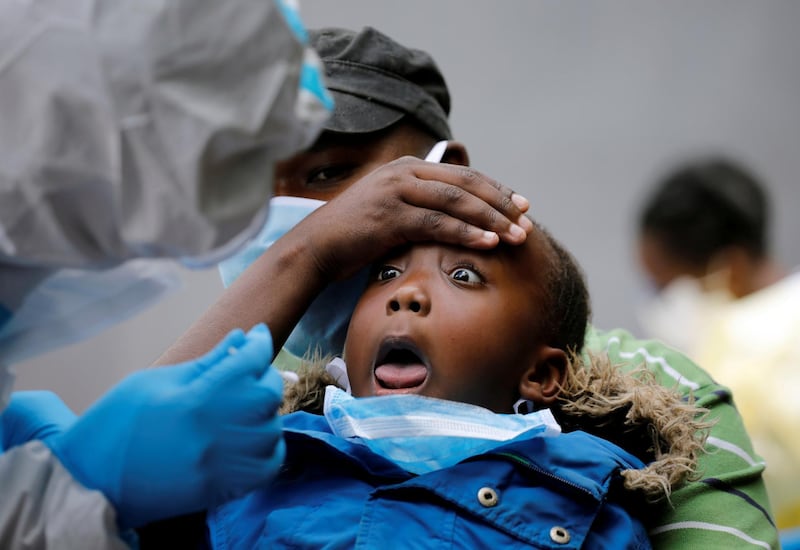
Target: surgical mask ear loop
[(437, 152), (338, 369), (524, 406)]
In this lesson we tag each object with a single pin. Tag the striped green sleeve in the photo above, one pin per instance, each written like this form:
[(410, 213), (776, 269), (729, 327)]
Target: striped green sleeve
[(728, 506)]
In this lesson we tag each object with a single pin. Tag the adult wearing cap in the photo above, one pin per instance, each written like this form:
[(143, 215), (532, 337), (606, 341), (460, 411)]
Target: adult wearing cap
[(122, 146), (392, 105), (393, 101)]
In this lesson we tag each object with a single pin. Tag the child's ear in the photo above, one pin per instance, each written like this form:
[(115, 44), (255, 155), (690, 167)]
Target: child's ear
[(540, 382), (456, 153)]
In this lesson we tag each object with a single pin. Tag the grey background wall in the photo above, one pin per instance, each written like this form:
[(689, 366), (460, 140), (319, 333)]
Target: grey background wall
[(578, 106)]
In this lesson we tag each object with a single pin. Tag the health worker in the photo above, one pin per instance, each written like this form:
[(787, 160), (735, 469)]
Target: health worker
[(131, 134)]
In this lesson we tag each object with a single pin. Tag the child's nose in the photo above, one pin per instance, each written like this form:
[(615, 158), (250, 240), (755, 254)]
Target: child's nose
[(409, 298)]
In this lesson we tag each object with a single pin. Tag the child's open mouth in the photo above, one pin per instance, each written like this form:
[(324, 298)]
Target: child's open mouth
[(400, 367)]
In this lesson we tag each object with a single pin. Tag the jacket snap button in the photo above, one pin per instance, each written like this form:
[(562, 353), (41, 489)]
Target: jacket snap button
[(559, 535), (488, 497)]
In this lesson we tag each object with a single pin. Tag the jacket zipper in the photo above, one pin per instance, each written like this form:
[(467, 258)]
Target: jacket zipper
[(533, 467)]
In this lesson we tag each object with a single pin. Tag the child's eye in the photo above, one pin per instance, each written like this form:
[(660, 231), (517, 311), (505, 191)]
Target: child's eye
[(387, 272), (466, 275)]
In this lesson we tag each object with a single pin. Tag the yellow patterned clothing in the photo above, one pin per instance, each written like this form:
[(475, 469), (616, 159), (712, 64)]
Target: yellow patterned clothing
[(754, 348)]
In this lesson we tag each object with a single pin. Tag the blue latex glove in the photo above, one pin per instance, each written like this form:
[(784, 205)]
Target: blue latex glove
[(175, 440), (33, 415)]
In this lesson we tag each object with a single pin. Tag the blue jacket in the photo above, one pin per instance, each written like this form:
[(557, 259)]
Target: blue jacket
[(531, 492)]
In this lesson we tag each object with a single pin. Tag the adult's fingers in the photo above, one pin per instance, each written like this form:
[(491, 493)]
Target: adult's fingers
[(255, 439), (272, 382), (421, 224), (259, 400), (455, 202), (33, 415), (249, 358), (499, 196), (472, 197), (251, 461), (253, 470), (232, 341)]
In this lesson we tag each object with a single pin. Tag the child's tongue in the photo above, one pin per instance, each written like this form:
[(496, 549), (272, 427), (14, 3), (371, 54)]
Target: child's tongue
[(398, 376)]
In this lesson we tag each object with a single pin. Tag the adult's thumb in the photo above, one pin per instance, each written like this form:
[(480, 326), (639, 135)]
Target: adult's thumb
[(33, 415), (253, 357), (227, 346)]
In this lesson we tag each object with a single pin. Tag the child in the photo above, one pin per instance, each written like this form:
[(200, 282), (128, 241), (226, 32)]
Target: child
[(443, 346)]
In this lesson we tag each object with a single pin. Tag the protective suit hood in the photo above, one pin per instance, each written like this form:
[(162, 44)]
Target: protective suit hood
[(107, 156), (112, 160)]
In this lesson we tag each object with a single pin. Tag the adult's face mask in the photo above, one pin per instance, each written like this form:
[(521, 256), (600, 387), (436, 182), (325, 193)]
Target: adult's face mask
[(681, 314), (422, 434), (324, 325)]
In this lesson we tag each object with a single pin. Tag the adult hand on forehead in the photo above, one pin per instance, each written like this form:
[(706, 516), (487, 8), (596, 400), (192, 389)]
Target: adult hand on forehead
[(407, 200), (411, 200)]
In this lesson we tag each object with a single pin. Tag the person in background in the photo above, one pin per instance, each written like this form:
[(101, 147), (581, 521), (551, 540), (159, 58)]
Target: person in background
[(130, 134), (392, 104), (704, 244)]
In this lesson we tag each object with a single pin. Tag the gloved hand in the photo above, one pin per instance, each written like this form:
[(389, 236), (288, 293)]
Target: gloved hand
[(33, 415), (179, 439)]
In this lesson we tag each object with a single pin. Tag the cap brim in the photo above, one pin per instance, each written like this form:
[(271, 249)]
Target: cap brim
[(356, 115)]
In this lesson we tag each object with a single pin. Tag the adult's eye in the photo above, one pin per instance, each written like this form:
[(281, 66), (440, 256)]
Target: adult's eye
[(328, 175), (387, 272), (466, 275)]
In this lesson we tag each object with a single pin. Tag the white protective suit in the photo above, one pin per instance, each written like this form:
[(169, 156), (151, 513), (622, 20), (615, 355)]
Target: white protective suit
[(130, 131), (753, 347)]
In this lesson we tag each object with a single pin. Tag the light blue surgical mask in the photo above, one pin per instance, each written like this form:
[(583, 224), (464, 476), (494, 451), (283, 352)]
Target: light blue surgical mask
[(324, 326), (422, 434)]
